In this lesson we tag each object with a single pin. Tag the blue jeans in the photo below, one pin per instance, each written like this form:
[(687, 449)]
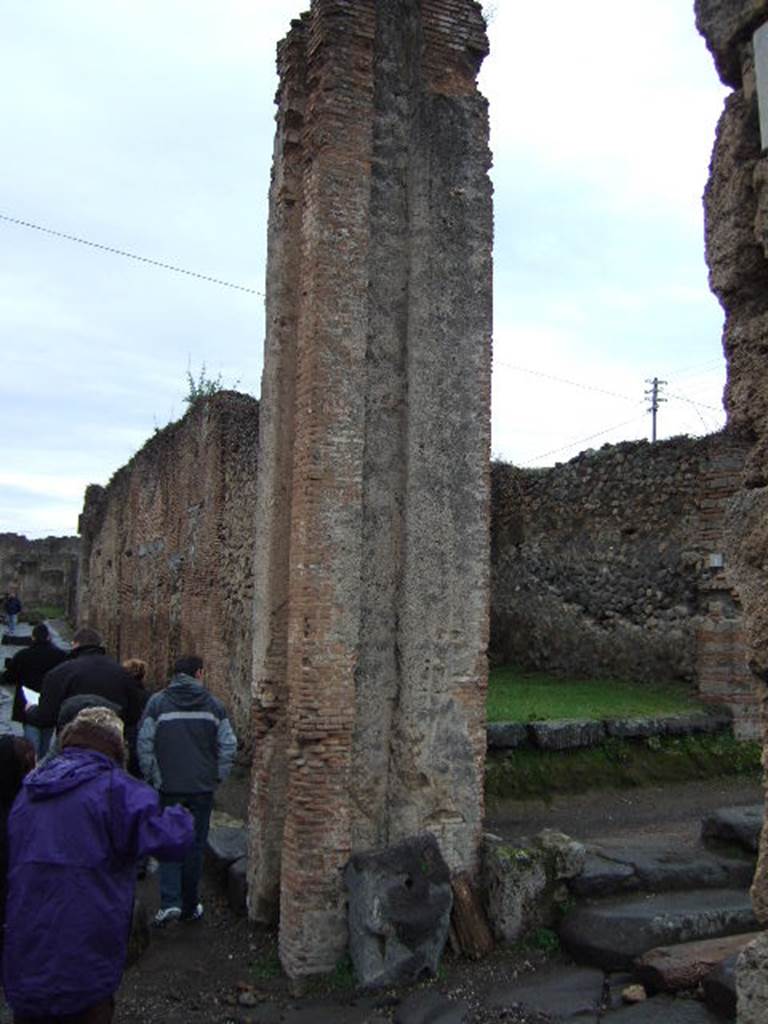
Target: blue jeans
[(11, 622), (180, 881), (39, 738)]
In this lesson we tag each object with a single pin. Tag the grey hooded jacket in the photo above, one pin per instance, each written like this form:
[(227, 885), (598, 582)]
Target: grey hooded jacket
[(185, 743)]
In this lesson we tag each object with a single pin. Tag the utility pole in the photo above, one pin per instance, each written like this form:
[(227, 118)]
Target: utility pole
[(652, 393)]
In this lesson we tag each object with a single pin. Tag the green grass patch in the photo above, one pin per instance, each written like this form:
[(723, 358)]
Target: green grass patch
[(516, 696), (38, 612), (526, 773)]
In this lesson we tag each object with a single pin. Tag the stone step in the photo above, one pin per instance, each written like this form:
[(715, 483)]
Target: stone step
[(734, 826), (612, 867), (612, 933)]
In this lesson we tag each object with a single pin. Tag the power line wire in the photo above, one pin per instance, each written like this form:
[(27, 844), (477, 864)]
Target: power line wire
[(573, 444), (129, 255), (563, 380)]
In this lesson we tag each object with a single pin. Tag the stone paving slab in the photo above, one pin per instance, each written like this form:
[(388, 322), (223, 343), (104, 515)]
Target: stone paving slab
[(613, 866), (612, 933), (563, 992), (663, 1010)]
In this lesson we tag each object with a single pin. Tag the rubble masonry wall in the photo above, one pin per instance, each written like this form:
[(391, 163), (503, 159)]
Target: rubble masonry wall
[(167, 550), (612, 565)]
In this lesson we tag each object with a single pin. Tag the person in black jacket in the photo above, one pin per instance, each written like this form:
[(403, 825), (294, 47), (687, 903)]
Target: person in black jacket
[(88, 669), (27, 668)]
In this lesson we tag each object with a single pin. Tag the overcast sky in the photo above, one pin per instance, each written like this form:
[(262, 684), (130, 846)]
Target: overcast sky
[(147, 125)]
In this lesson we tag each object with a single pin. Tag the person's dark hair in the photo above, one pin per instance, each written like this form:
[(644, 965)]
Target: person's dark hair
[(40, 633), (188, 665), (86, 637)]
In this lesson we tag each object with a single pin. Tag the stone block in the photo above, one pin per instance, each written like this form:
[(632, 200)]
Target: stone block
[(683, 966), (400, 903), (226, 844), (506, 735), (237, 885), (564, 734), (521, 882), (752, 982)]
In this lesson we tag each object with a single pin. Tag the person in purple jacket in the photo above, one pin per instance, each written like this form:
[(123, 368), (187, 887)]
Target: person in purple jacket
[(76, 831)]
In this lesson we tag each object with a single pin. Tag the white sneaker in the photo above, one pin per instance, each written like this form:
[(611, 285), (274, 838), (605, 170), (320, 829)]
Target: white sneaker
[(165, 916), (194, 915)]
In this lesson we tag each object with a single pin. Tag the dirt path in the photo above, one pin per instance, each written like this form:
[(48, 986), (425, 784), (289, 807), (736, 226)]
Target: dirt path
[(673, 810)]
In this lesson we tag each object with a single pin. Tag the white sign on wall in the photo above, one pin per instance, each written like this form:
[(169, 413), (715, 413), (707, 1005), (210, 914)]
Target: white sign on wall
[(760, 46)]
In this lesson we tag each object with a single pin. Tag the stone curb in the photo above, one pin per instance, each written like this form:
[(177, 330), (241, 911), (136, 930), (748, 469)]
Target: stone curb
[(572, 734)]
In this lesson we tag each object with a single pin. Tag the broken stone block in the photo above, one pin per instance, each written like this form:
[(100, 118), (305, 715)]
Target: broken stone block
[(521, 881), (515, 882), (566, 857), (400, 903)]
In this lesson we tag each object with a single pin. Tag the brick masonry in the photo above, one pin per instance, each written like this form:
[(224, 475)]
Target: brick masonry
[(167, 550), (371, 579)]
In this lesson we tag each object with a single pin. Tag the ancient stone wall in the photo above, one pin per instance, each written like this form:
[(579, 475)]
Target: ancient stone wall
[(43, 572), (371, 580), (736, 226), (167, 550), (612, 565)]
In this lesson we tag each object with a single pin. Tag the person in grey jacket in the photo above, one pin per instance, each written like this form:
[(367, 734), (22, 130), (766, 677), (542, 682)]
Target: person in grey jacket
[(186, 747)]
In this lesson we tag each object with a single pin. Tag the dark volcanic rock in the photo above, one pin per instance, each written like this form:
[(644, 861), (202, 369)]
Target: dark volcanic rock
[(612, 933), (400, 903)]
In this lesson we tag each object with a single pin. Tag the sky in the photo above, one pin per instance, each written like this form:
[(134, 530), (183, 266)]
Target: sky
[(147, 126)]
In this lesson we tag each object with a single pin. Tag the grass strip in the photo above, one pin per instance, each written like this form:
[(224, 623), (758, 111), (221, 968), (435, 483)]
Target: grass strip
[(516, 696), (524, 773)]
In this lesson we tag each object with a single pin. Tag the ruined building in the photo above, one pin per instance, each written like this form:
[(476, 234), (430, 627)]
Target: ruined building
[(612, 565), (371, 575), (167, 550), (43, 572), (736, 210)]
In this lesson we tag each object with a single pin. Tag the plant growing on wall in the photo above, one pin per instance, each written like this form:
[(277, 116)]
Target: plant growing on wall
[(203, 386)]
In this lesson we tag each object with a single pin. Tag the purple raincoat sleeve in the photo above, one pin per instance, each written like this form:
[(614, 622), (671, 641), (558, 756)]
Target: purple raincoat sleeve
[(140, 828)]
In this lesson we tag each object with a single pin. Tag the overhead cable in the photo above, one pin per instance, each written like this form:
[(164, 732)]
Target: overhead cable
[(129, 255)]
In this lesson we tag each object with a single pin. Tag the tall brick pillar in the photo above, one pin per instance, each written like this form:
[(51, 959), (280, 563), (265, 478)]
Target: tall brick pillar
[(372, 570)]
